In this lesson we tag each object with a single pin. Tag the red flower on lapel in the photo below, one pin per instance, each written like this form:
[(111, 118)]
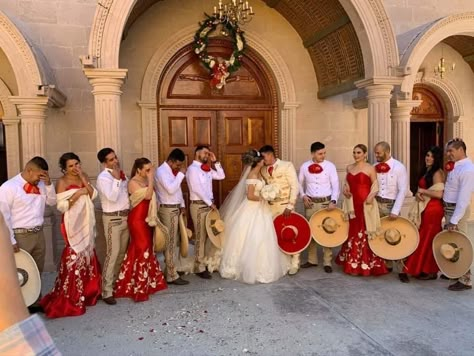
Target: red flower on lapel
[(382, 167)]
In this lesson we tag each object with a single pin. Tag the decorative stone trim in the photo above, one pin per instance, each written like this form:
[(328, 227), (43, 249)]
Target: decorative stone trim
[(12, 135)]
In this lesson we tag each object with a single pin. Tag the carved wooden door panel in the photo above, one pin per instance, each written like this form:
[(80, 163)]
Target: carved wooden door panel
[(229, 133)]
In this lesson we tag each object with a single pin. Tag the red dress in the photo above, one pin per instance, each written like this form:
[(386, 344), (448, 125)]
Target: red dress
[(355, 255), (77, 285), (140, 274), (422, 260)]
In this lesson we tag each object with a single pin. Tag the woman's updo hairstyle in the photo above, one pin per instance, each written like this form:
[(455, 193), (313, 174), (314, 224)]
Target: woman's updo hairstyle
[(251, 157)]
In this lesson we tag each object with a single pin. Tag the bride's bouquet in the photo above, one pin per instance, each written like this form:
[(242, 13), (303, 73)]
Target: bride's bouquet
[(270, 192)]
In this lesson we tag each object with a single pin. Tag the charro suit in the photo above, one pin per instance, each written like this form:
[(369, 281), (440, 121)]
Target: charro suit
[(284, 176)]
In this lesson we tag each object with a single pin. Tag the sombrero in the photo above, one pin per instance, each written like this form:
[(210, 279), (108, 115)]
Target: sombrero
[(184, 236), (328, 227), (293, 233), (215, 228), (398, 238), (28, 276), (453, 253), (160, 237)]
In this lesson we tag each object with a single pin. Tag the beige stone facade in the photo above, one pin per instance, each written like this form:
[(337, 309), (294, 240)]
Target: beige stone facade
[(76, 75)]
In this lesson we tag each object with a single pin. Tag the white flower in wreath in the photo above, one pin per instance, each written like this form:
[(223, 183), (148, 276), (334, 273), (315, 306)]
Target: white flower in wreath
[(212, 63), (146, 254), (240, 43)]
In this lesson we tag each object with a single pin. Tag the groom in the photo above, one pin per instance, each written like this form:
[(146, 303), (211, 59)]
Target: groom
[(282, 174)]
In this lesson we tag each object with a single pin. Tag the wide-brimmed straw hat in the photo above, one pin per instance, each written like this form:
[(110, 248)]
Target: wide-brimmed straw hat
[(28, 277), (328, 227), (184, 235), (215, 228), (293, 233), (397, 239), (160, 236), (453, 253)]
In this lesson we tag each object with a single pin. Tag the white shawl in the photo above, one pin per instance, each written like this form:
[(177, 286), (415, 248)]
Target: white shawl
[(79, 220), (419, 206)]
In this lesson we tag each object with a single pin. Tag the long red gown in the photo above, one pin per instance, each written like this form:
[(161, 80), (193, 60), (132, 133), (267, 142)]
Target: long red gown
[(422, 260), (140, 274), (77, 285), (355, 255)]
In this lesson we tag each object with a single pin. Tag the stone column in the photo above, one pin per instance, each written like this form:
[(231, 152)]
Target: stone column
[(378, 104), (12, 138), (288, 128), (150, 147), (32, 120), (107, 84)]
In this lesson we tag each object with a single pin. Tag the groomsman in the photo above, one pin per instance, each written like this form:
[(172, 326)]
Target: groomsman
[(282, 174), (168, 179), (112, 185), (23, 199), (204, 169), (319, 188), (457, 198), (393, 186)]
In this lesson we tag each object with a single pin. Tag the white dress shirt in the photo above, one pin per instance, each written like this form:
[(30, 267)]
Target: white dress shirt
[(168, 186), (459, 187), (22, 210), (319, 185), (113, 193), (393, 184), (200, 182)]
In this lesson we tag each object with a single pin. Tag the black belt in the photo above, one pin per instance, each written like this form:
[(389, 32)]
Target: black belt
[(21, 230), (321, 200), (384, 200), (448, 205), (200, 202), (117, 213), (171, 206)]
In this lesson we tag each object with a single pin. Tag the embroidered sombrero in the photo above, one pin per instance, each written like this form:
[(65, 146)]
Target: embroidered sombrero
[(453, 253), (328, 227), (215, 228), (293, 233)]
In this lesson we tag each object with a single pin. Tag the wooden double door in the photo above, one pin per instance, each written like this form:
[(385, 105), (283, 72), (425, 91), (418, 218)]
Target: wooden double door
[(228, 132)]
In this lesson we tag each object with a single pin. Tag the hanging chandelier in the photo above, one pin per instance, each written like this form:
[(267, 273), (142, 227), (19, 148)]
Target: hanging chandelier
[(236, 12), (440, 69)]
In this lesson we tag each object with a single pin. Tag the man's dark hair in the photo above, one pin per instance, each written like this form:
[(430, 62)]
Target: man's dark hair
[(266, 149), (457, 143), (200, 147), (316, 146), (104, 153), (176, 155), (38, 162)]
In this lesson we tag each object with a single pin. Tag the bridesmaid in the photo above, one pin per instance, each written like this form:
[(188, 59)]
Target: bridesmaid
[(140, 274), (421, 263), (78, 283)]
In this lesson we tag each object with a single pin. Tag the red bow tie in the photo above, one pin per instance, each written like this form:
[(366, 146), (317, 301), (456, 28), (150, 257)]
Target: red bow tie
[(205, 167), (315, 168), (270, 170), (449, 166), (175, 172), (31, 189), (382, 167), (122, 176)]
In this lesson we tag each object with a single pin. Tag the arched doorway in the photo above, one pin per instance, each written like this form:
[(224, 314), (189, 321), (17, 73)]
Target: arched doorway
[(427, 128), (242, 115), (3, 149)]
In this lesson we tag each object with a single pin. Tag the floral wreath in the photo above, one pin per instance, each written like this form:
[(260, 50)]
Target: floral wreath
[(221, 68)]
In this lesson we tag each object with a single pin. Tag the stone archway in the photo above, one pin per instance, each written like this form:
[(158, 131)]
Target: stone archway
[(12, 138)]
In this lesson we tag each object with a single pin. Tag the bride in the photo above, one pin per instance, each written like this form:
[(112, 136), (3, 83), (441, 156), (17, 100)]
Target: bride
[(251, 253)]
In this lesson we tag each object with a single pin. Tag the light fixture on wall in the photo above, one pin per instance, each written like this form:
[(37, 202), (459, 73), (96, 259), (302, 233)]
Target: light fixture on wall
[(237, 12), (440, 69)]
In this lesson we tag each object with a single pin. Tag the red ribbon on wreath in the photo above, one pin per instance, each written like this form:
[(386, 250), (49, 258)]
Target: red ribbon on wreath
[(449, 166), (382, 167), (315, 168)]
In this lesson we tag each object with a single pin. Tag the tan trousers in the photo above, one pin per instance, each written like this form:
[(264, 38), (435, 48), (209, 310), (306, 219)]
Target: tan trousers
[(203, 247), (34, 244), (384, 210), (462, 226), (313, 246), (116, 243), (277, 209), (170, 218)]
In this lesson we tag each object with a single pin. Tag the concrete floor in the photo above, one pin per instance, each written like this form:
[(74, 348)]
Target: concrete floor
[(312, 313)]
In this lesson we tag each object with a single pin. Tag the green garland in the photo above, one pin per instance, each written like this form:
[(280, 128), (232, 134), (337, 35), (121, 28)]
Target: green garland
[(201, 39)]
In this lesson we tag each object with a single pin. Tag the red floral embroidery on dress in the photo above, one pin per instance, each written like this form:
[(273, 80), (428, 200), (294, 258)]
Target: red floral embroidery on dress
[(449, 166), (315, 168), (382, 167), (205, 167)]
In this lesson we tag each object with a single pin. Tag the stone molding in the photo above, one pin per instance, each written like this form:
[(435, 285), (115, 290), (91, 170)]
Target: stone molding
[(12, 135), (167, 50), (419, 42)]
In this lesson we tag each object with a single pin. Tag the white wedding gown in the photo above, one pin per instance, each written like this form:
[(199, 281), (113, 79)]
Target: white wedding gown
[(251, 253)]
